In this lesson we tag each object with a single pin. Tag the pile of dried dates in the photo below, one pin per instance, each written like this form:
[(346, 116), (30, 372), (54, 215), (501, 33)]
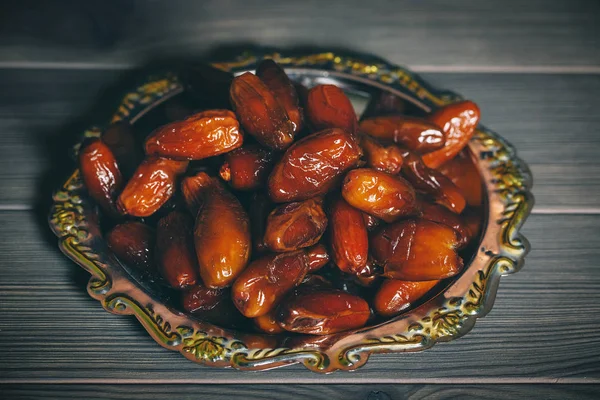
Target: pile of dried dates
[(281, 211)]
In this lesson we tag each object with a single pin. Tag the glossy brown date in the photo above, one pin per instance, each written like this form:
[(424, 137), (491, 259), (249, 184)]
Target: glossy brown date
[(371, 222), (432, 182), (202, 135), (199, 298), (265, 282), (101, 174), (463, 173), (133, 242), (382, 195), (214, 306), (260, 113), (267, 323), (323, 312), (152, 184), (412, 133), (395, 296), (349, 239), (382, 158), (458, 122), (222, 237), (278, 82), (295, 225), (193, 189), (417, 250), (175, 250), (440, 214), (318, 257), (312, 165), (370, 275), (328, 107), (247, 168), (119, 138)]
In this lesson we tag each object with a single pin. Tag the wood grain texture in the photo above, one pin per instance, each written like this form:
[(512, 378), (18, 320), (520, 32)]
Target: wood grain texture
[(285, 392), (542, 329), (551, 120), (434, 32), (60, 60)]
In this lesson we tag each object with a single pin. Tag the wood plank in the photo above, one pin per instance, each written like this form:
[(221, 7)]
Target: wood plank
[(543, 328), (283, 392), (551, 119), (463, 33)]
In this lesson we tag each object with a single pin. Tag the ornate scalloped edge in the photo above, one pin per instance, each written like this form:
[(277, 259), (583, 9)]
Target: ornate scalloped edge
[(454, 317)]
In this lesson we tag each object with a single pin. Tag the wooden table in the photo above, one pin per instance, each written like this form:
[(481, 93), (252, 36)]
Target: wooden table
[(534, 68)]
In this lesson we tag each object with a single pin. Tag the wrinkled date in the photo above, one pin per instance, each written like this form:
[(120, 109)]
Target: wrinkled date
[(264, 283), (382, 195), (221, 237), (371, 222), (349, 239), (329, 107), (382, 158), (318, 257), (199, 298), (278, 82), (395, 296), (463, 173), (458, 121), (213, 305), (267, 323), (440, 214), (152, 184), (247, 168), (295, 225), (412, 133), (370, 275), (133, 243), (193, 189), (260, 113), (175, 250), (323, 312), (311, 166), (432, 182), (202, 135), (100, 174), (417, 250)]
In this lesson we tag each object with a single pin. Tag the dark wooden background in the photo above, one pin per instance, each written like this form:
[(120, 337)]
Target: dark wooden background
[(534, 68)]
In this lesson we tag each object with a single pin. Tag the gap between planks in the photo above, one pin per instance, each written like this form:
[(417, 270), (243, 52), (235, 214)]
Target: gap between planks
[(451, 69), (303, 381)]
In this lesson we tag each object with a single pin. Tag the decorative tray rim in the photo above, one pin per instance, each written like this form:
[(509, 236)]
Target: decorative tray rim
[(450, 315)]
